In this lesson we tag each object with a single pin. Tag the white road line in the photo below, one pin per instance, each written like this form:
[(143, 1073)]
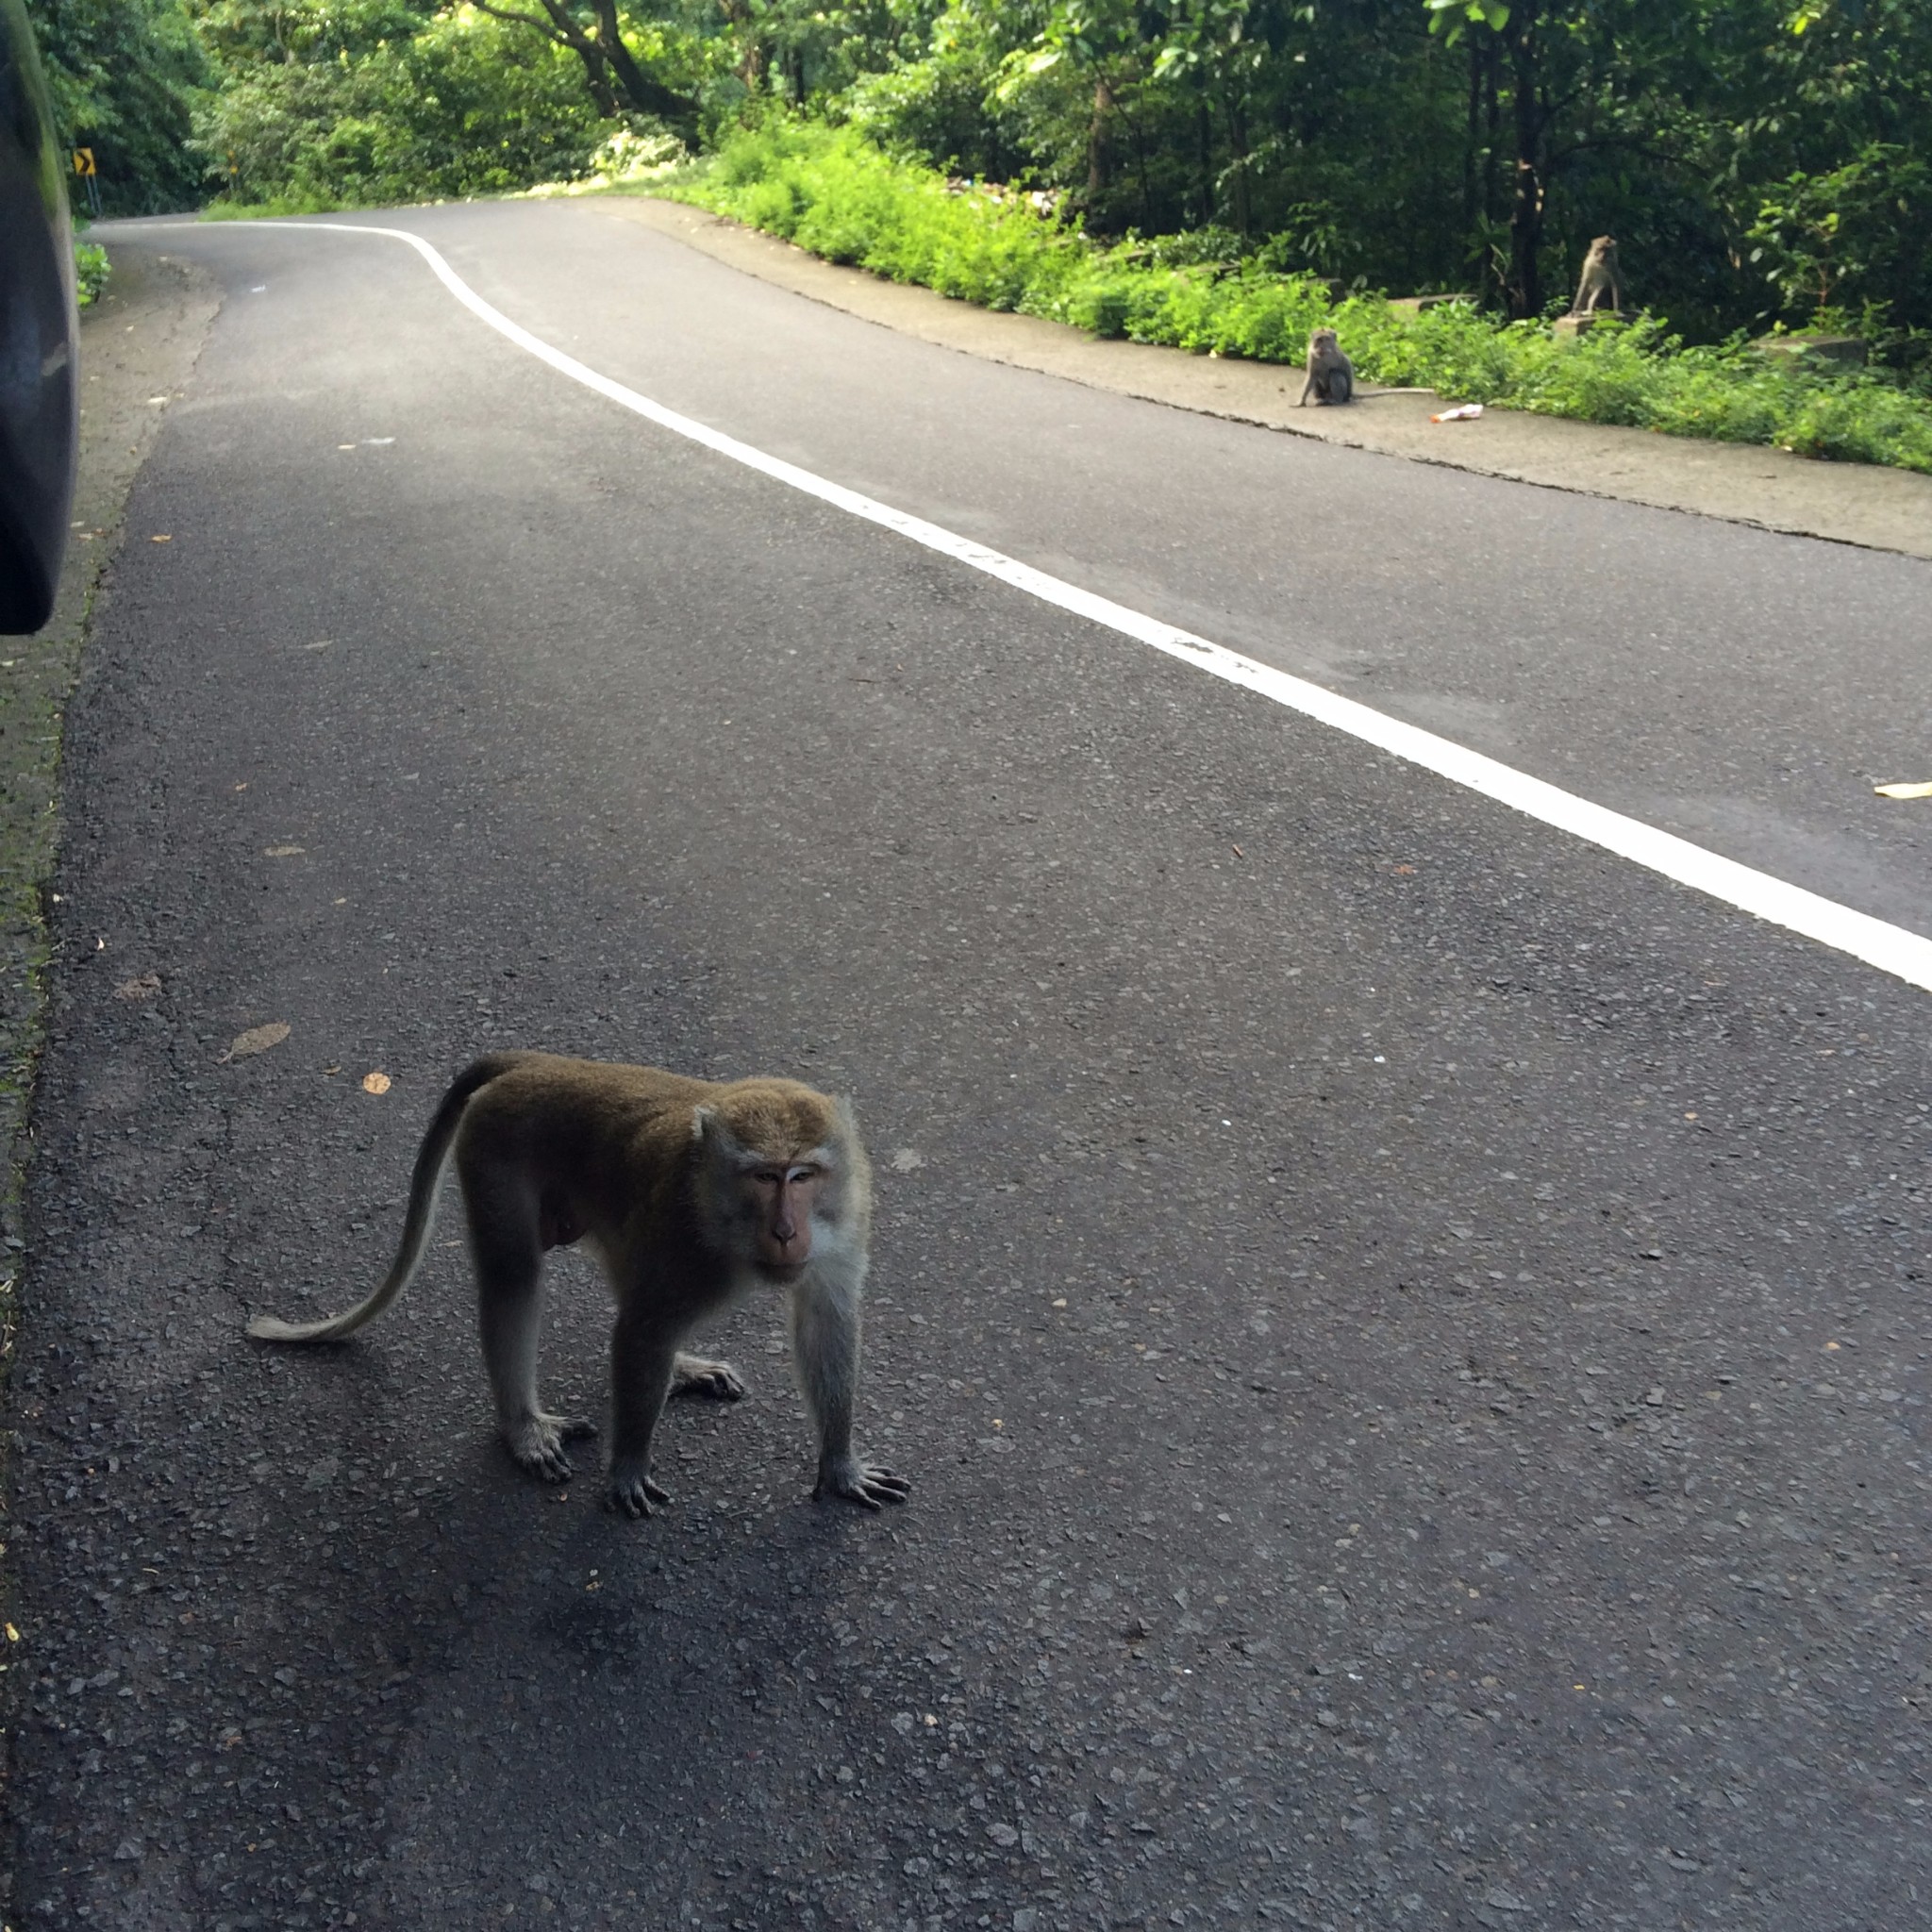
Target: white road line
[(1890, 948)]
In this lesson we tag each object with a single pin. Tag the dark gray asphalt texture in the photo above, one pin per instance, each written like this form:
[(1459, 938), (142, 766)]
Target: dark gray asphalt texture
[(1408, 1333)]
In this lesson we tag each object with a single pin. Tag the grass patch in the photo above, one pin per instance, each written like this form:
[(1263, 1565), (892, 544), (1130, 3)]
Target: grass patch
[(306, 203), (829, 190)]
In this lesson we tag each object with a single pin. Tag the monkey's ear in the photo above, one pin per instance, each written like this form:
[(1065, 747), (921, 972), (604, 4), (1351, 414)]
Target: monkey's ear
[(709, 1130)]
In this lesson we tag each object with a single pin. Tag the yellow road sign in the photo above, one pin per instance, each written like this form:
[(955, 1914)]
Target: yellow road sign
[(83, 161)]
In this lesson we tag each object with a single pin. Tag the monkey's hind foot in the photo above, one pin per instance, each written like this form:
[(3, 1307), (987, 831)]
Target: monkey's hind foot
[(864, 1483), (537, 1442), (697, 1375), (632, 1492)]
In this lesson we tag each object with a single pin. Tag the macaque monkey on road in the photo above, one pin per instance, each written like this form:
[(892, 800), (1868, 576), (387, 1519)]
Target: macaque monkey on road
[(689, 1194), (1600, 279), (1331, 374)]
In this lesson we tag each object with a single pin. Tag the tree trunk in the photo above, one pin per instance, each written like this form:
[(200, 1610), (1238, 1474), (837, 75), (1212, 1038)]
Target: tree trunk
[(565, 32), (646, 94), (1238, 142), (1139, 140), (1099, 144), (750, 50), (1525, 291), (1205, 128), (1472, 133), (1492, 120)]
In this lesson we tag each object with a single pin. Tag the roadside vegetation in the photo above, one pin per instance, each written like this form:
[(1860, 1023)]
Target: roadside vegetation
[(831, 191), (89, 271), (1215, 174)]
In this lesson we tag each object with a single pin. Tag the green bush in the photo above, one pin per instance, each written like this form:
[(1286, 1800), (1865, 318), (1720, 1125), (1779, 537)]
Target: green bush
[(90, 270), (470, 104), (831, 191), (123, 75)]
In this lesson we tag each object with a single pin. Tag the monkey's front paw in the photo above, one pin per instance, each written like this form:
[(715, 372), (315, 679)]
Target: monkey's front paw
[(632, 1492), (864, 1483), (536, 1443)]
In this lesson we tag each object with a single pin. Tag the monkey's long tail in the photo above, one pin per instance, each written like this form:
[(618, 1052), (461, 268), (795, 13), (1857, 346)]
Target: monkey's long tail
[(423, 1180)]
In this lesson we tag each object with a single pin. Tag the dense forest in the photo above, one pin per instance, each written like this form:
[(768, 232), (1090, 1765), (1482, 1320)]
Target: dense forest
[(1758, 160)]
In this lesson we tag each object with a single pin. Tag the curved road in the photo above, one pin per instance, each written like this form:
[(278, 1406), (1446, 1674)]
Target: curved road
[(1407, 1329)]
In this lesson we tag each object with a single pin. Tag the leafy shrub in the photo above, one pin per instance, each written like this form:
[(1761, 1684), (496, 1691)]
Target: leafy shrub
[(470, 104), (830, 191), (833, 192), (90, 270)]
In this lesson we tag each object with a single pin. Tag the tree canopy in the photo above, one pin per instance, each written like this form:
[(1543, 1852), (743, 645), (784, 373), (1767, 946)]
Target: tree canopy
[(1757, 159)]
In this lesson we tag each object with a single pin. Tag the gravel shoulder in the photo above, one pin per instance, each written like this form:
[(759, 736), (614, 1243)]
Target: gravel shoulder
[(1877, 509), (137, 343)]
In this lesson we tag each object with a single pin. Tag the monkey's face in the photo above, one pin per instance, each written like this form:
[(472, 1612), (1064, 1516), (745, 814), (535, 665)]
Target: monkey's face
[(780, 1201), (773, 1168)]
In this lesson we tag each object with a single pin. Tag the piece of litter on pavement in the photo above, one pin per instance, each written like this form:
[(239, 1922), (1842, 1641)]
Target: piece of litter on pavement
[(1467, 413), (256, 1039), (1904, 791)]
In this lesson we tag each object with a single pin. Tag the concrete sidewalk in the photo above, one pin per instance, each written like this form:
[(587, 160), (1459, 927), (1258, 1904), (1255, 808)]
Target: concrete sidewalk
[(1847, 503)]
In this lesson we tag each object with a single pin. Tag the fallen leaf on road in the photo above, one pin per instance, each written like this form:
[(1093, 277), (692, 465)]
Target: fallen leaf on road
[(1903, 790), (256, 1039), (376, 1083), (143, 987), (160, 540)]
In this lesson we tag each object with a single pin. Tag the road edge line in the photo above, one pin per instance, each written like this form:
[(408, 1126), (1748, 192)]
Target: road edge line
[(1892, 949)]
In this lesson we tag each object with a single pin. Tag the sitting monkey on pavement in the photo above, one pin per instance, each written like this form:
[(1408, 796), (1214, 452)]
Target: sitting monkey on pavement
[(1331, 374), (689, 1194)]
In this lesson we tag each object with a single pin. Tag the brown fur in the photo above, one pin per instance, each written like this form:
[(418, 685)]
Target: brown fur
[(689, 1192)]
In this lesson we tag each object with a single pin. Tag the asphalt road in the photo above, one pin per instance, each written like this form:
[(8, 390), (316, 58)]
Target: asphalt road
[(1408, 1331)]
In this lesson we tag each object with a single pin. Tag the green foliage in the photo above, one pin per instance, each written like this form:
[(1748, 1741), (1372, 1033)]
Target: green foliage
[(469, 105), (123, 74), (831, 191), (1818, 234), (90, 270), (1758, 160)]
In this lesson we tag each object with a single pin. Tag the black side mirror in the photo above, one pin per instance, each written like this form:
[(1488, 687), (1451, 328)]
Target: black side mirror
[(38, 397)]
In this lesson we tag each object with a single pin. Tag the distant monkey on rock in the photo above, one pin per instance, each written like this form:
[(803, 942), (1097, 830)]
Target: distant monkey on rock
[(1331, 374), (689, 1194), (1600, 279)]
